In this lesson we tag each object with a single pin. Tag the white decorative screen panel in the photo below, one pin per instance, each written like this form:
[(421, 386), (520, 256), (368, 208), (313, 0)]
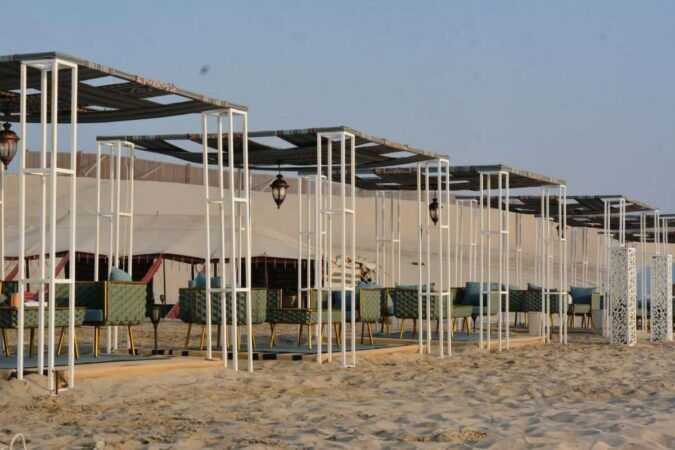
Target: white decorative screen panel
[(662, 305), (623, 295)]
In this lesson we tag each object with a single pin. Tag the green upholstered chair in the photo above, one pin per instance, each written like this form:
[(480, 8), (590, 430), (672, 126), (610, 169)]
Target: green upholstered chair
[(406, 307), (369, 308), (192, 306), (303, 317), (108, 303), (9, 319)]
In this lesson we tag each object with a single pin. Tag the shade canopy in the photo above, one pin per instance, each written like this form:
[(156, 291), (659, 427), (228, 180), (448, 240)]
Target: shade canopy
[(104, 94), (587, 211), (297, 154), (462, 178)]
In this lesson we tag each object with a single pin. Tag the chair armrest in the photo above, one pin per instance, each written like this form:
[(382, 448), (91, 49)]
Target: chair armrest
[(370, 304), (597, 301)]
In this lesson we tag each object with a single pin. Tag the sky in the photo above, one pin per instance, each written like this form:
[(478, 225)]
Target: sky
[(582, 91)]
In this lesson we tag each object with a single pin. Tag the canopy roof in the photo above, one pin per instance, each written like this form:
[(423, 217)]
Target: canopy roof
[(104, 94), (586, 211), (462, 178), (371, 152)]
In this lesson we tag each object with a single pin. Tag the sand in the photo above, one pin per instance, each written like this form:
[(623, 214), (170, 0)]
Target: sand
[(583, 395)]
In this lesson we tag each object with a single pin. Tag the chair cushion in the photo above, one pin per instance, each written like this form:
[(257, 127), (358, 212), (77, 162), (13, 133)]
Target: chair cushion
[(472, 292), (93, 315), (581, 295), (582, 309), (119, 275), (192, 284)]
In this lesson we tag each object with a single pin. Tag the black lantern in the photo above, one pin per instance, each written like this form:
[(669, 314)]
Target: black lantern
[(8, 143), (279, 189), (433, 210)]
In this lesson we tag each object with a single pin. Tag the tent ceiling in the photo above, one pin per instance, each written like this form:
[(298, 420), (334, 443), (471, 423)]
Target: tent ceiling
[(104, 94), (371, 152)]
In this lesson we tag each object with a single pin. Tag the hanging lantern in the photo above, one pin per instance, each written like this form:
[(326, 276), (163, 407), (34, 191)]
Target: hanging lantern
[(433, 210), (279, 189), (8, 143)]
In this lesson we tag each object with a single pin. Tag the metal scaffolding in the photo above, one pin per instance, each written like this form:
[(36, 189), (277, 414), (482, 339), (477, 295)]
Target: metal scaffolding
[(118, 215), (387, 238), (466, 239), (325, 211), (440, 170), (236, 199), (554, 236), (48, 172), (488, 232), (618, 203)]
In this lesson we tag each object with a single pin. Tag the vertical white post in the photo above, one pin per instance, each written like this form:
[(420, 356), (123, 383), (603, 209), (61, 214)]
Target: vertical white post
[(22, 218)]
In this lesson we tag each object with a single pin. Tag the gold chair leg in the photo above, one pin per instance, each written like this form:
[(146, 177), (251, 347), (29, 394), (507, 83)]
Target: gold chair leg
[(201, 338), (273, 334), (96, 334), (60, 346), (77, 345), (5, 345), (131, 340), (218, 340), (414, 327), (363, 326), (253, 337), (300, 335), (31, 342), (187, 335), (438, 323), (337, 334), (400, 336), (309, 337), (238, 338), (370, 334)]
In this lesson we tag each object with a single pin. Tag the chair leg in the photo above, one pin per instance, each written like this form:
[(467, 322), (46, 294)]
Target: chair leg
[(77, 345), (300, 335), (400, 336), (438, 323), (253, 338), (201, 338), (309, 336), (388, 326), (363, 326), (238, 338), (273, 331), (218, 336), (60, 346), (31, 341), (96, 334), (370, 334), (5, 345), (414, 327), (337, 334), (131, 340), (187, 336)]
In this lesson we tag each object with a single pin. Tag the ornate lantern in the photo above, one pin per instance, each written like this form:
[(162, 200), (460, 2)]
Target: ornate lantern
[(8, 143), (279, 189), (433, 210)]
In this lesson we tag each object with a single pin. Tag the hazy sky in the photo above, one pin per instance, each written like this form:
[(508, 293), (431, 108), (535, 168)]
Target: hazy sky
[(574, 90)]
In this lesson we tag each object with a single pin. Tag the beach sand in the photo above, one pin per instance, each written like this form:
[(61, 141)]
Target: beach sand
[(583, 395)]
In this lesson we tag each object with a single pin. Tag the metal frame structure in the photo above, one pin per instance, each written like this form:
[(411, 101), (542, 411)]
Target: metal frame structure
[(237, 200), (487, 232), (324, 212), (117, 215), (48, 68), (387, 237), (439, 169), (466, 241), (608, 233), (548, 240)]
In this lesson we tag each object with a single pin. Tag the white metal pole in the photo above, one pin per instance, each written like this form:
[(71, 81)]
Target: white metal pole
[(22, 219)]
